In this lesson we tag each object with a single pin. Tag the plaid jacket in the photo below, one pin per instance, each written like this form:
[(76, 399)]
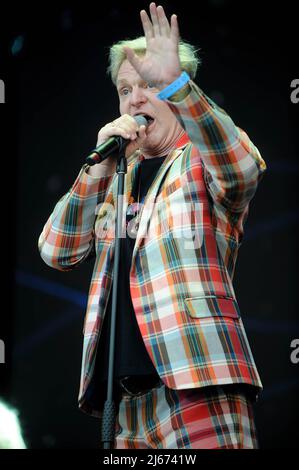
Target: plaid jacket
[(184, 255)]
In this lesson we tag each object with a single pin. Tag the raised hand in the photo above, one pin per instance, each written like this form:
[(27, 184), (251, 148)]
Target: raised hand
[(160, 65)]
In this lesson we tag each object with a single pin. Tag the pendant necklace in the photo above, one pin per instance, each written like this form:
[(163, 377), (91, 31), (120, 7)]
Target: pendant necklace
[(135, 222), (137, 218)]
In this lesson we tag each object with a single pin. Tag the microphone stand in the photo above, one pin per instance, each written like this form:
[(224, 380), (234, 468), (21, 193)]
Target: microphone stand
[(109, 412)]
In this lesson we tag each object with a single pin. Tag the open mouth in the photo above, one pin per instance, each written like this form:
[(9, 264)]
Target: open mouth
[(149, 119)]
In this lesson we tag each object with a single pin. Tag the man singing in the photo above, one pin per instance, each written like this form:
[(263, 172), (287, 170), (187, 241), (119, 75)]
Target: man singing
[(184, 373)]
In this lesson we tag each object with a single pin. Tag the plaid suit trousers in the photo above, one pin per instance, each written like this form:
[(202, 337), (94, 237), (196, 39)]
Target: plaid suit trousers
[(217, 417)]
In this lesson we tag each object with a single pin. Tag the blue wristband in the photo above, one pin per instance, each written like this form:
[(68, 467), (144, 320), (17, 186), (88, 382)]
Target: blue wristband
[(174, 86)]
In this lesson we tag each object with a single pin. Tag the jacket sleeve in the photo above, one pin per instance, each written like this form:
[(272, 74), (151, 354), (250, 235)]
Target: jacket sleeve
[(232, 164), (67, 238)]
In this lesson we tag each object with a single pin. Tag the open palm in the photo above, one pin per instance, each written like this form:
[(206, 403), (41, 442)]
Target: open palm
[(160, 65)]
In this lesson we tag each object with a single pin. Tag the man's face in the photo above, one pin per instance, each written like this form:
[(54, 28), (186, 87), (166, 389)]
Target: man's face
[(136, 97)]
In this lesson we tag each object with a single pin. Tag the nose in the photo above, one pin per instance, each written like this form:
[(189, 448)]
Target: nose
[(138, 96)]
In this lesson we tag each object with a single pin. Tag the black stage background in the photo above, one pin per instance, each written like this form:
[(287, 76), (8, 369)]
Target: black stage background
[(57, 97)]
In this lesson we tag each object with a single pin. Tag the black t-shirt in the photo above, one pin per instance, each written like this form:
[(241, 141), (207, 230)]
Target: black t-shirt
[(131, 357)]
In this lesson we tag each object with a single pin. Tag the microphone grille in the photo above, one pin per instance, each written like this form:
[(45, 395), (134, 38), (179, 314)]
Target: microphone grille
[(141, 120)]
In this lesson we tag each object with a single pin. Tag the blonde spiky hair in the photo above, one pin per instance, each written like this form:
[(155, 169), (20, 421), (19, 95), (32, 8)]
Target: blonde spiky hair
[(187, 54)]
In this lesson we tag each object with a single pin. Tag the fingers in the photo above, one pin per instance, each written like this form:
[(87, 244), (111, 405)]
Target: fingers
[(175, 33), (125, 126), (126, 121), (147, 25), (123, 130), (136, 143), (155, 19), (163, 22), (141, 134), (158, 24), (132, 58)]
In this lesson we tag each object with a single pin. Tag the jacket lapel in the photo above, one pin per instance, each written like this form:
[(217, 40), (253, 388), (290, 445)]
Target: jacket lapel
[(133, 165), (151, 197)]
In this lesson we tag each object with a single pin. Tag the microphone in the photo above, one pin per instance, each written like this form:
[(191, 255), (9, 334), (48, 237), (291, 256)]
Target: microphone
[(113, 144)]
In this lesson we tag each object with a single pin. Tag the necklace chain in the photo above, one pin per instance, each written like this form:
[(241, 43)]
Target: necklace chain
[(136, 225)]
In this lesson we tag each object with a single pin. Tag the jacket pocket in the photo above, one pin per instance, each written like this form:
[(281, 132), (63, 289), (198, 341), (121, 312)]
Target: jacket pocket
[(212, 306)]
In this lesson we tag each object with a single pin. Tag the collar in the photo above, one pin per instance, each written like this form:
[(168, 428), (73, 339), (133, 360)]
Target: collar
[(181, 143)]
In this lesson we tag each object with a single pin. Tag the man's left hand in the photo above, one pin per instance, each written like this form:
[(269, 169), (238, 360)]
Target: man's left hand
[(160, 65)]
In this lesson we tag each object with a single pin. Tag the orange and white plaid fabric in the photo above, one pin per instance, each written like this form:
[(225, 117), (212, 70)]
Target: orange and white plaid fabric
[(184, 256), (207, 418)]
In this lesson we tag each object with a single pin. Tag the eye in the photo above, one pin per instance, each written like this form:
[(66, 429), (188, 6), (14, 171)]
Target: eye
[(149, 85), (124, 91)]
